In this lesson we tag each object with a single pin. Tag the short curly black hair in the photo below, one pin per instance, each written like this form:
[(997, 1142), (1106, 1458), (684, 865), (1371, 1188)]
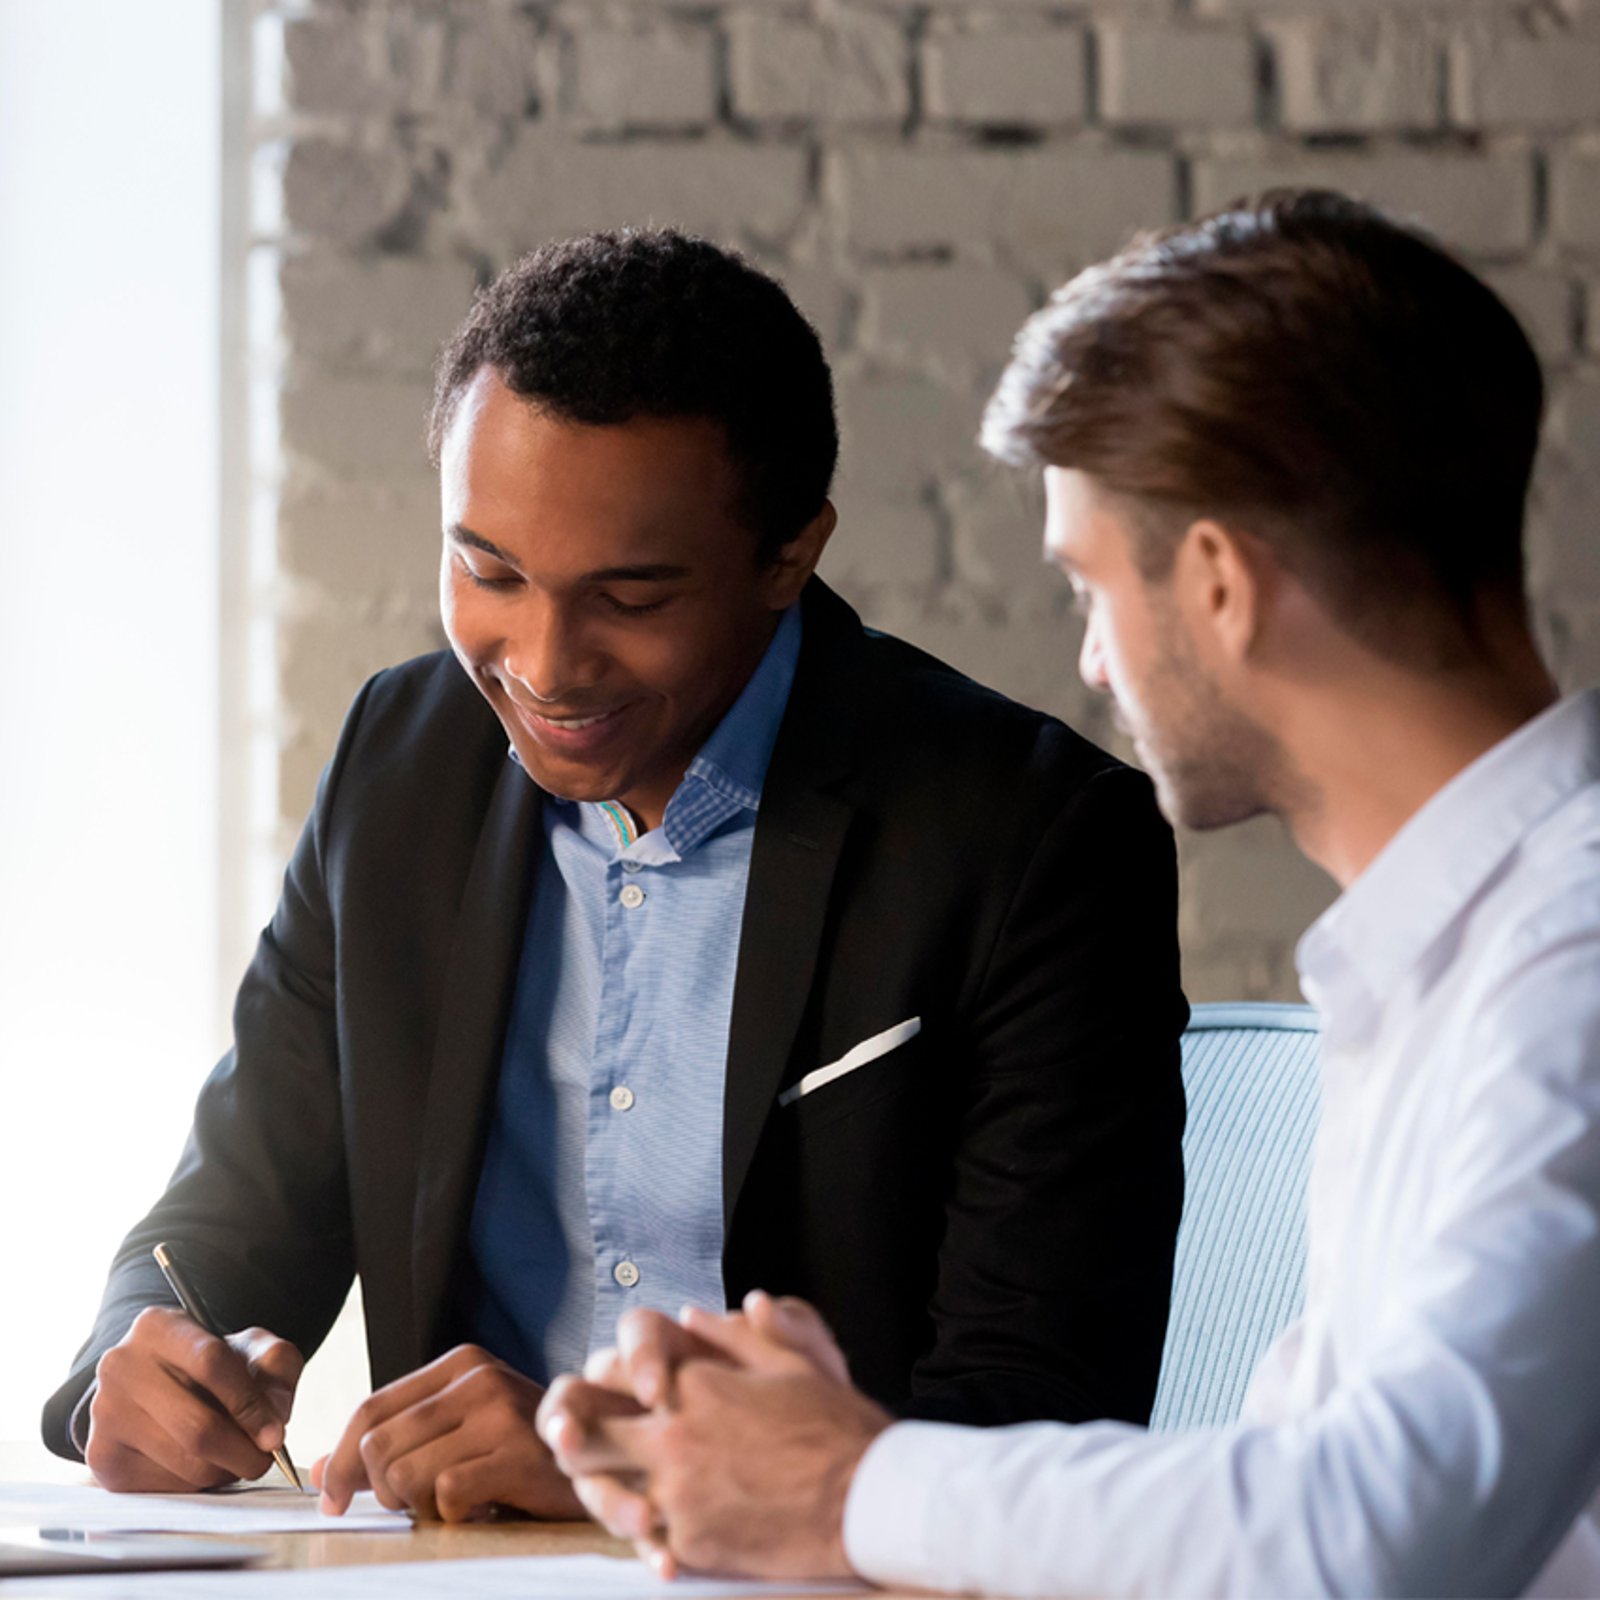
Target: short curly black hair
[(658, 323)]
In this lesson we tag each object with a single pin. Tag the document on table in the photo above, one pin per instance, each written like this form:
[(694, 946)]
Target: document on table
[(490, 1577), (246, 1509)]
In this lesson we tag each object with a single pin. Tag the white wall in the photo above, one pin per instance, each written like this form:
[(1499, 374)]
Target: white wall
[(109, 183)]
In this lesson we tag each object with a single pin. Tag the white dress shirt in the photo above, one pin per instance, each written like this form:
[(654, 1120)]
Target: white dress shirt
[(1431, 1424)]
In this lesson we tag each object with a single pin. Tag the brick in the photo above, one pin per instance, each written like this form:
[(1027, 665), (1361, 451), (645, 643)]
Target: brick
[(1575, 655), (328, 63), (997, 540), (953, 319), (323, 658), (1247, 882), (361, 542), (1356, 74), (1033, 660), (1544, 302), (1006, 76), (881, 540), (1534, 83), (1575, 201), (391, 312), (823, 295), (852, 68), (1194, 77), (661, 77), (1564, 528), (1478, 203), (360, 428), (1239, 971), (493, 63), (897, 435), (342, 193), (548, 188), (1048, 208)]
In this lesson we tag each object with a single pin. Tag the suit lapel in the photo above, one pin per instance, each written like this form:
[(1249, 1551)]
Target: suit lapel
[(478, 986), (800, 831)]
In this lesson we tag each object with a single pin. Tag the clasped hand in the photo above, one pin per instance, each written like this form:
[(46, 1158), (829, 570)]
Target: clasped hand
[(718, 1443)]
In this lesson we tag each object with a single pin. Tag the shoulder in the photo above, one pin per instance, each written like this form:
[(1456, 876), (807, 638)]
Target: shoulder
[(928, 736), (417, 729)]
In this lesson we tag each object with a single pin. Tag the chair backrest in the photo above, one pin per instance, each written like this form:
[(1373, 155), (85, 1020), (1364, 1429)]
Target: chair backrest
[(1250, 1072)]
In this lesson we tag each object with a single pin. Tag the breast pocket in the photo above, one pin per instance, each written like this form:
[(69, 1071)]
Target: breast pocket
[(865, 1073)]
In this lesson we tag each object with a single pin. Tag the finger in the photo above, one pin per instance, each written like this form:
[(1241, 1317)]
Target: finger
[(200, 1360), (607, 1369), (655, 1555), (620, 1510), (318, 1467), (345, 1473), (738, 1342), (652, 1348), (573, 1421), (404, 1454), (274, 1363), (142, 1404), (192, 1441), (788, 1320), (519, 1474)]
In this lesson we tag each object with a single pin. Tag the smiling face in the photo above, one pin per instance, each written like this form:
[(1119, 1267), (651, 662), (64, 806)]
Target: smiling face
[(601, 591), (1211, 764)]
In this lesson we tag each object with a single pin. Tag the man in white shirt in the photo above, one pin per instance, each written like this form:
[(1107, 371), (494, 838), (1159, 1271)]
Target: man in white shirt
[(1286, 451)]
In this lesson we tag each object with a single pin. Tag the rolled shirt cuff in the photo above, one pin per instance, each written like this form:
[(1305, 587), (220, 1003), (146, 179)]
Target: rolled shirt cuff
[(890, 1533)]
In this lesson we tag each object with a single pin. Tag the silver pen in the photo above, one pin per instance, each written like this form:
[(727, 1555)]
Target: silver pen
[(196, 1313)]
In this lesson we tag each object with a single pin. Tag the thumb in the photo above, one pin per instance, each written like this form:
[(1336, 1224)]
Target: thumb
[(745, 1345)]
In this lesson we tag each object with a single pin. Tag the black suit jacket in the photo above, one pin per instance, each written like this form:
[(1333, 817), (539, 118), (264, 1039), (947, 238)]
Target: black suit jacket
[(986, 1215)]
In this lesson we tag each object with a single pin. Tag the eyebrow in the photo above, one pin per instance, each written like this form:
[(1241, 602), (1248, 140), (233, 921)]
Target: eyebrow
[(646, 572)]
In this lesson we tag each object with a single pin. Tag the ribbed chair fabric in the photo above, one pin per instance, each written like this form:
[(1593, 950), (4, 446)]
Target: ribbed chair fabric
[(1250, 1072)]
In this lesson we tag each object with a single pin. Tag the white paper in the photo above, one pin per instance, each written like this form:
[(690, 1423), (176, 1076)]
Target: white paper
[(521, 1577), (243, 1510)]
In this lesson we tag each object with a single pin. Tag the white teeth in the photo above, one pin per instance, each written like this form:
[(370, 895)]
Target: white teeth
[(575, 722)]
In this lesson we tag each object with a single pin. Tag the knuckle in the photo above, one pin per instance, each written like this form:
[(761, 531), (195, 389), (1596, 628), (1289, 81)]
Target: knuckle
[(376, 1445), (151, 1322), (210, 1363), (111, 1369)]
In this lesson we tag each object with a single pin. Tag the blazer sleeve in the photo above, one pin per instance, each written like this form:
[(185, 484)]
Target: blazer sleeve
[(258, 1204), (1056, 1266)]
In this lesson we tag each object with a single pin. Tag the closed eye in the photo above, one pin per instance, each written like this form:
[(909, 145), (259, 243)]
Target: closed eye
[(484, 580), (624, 609)]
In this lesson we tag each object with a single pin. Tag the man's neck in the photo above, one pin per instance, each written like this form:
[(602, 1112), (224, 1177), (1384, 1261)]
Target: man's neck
[(1373, 754)]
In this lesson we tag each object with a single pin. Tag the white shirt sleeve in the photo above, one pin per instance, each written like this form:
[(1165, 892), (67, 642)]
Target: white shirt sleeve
[(1452, 1460)]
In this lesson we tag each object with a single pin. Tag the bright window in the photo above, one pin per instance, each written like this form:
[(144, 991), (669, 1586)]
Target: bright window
[(109, 273)]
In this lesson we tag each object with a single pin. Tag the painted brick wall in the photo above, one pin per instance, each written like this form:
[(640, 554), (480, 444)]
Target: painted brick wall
[(920, 175)]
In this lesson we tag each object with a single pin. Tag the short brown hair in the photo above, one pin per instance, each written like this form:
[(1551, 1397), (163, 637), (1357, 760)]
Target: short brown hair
[(1331, 381)]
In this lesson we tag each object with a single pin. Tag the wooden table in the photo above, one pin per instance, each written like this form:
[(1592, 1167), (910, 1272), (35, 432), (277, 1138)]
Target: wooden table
[(433, 1541)]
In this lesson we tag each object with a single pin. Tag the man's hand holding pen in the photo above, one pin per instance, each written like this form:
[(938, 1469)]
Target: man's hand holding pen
[(177, 1408)]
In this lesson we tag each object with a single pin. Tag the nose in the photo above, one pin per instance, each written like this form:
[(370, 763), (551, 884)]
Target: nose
[(549, 654), (1092, 659)]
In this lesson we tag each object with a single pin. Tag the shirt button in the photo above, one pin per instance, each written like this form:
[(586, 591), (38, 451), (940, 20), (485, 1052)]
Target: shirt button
[(631, 866), (622, 1098), (625, 1273), (632, 896)]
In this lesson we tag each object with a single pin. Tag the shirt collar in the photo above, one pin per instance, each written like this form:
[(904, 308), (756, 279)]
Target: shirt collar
[(735, 758), (727, 775), (1445, 852)]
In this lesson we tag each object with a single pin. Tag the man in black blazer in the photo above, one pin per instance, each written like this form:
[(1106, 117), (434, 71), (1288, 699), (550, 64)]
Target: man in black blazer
[(950, 1112)]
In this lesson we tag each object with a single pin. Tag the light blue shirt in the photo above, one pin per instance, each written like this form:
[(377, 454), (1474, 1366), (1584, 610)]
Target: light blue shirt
[(601, 1186)]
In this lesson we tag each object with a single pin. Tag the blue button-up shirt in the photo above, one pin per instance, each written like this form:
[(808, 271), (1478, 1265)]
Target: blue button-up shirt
[(601, 1185)]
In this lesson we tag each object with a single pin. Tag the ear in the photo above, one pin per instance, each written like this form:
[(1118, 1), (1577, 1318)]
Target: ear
[(1221, 581), (790, 570)]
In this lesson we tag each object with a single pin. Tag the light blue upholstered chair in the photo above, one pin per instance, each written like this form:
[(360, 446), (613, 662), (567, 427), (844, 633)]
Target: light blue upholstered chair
[(1250, 1072)]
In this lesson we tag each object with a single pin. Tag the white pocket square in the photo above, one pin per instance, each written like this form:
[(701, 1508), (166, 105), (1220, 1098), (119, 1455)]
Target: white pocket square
[(880, 1044)]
